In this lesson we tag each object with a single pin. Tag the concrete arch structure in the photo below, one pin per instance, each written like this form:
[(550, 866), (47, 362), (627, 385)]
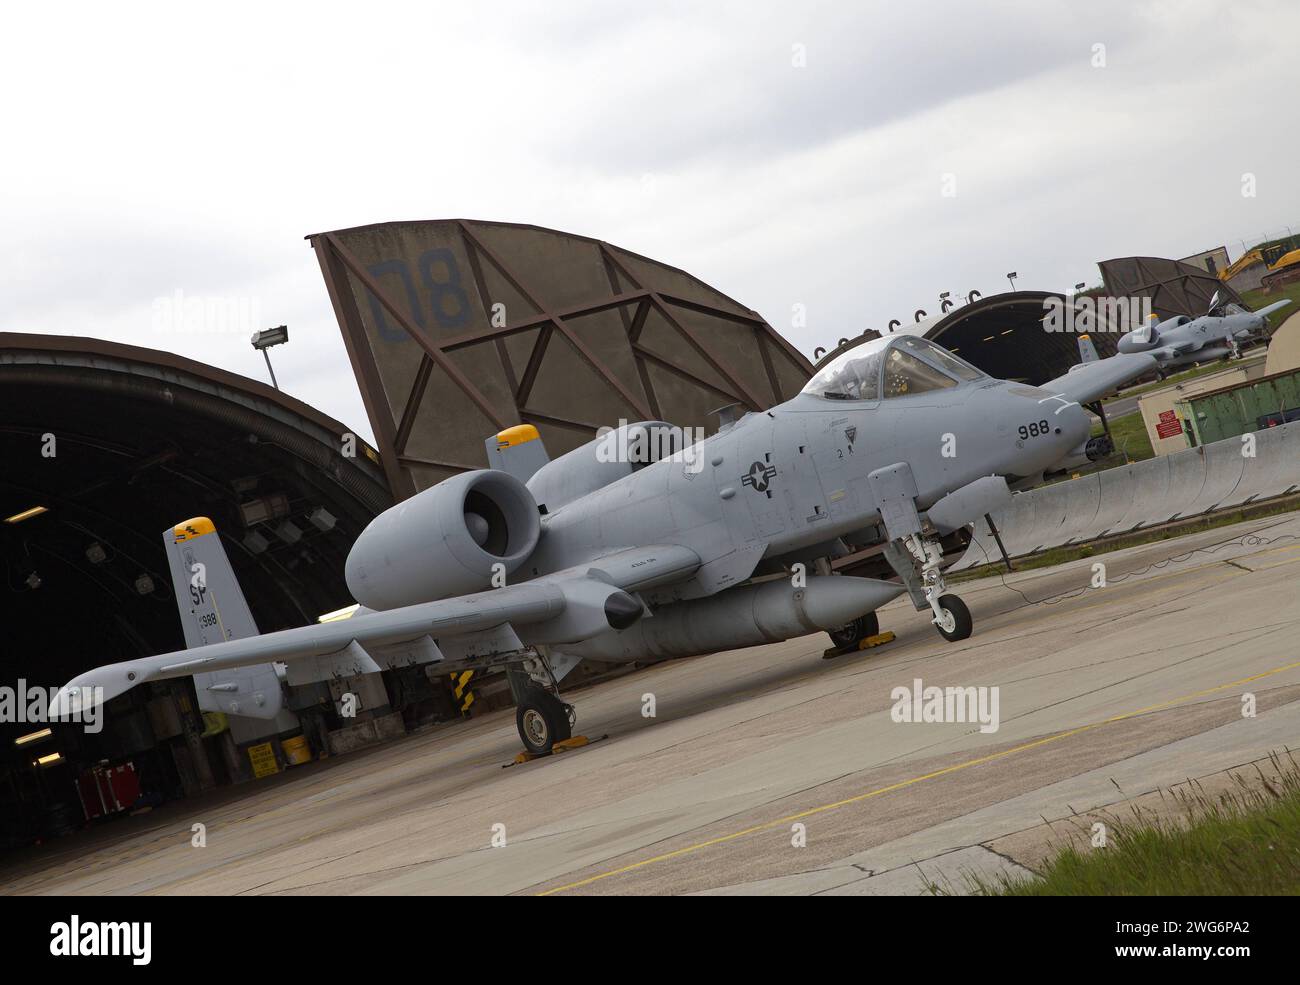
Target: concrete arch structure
[(460, 328), (118, 443), (1284, 347), (1174, 287), (1004, 335)]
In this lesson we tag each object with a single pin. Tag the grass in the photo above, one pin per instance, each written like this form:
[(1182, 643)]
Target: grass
[(1130, 437), (1060, 555), (1243, 842)]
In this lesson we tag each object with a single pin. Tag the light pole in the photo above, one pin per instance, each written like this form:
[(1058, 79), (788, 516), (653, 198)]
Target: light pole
[(266, 338), (1011, 279)]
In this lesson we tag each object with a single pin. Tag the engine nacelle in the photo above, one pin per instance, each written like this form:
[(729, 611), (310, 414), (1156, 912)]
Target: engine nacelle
[(603, 461), (444, 541)]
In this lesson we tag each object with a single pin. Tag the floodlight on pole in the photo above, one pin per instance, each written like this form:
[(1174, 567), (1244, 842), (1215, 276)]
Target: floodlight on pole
[(1011, 279), (263, 341)]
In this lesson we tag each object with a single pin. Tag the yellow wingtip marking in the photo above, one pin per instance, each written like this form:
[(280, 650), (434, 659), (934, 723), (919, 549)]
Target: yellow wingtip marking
[(191, 529), (518, 435)]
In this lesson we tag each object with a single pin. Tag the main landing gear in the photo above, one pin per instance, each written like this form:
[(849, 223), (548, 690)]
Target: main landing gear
[(545, 721), (852, 633)]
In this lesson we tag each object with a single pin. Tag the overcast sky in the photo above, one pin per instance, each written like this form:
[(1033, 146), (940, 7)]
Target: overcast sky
[(787, 153)]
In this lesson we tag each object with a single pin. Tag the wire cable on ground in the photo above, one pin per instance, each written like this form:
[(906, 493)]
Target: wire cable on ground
[(1249, 539)]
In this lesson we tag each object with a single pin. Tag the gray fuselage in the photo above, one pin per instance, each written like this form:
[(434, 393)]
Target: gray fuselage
[(796, 475)]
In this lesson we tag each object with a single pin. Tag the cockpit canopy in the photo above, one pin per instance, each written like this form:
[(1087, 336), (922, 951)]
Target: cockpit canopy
[(890, 366)]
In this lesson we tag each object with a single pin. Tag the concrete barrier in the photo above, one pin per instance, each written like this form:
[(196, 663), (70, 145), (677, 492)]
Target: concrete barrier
[(1018, 519), (1272, 467), (1117, 492), (1224, 465), (1150, 502), (1083, 500), (1145, 494), (1186, 480), (1051, 511)]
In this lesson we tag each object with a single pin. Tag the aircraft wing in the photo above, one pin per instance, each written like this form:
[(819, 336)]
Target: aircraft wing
[(1269, 309), (1088, 381), (564, 607)]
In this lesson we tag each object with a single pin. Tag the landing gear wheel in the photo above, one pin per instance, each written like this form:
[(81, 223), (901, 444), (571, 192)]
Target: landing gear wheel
[(853, 633), (543, 720), (954, 619)]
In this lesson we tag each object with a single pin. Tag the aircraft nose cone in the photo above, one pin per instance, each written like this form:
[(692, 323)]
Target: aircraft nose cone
[(622, 610), (1071, 427), (1079, 422)]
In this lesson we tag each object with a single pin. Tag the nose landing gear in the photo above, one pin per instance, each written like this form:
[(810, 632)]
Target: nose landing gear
[(953, 621), (913, 550), (951, 617), (918, 560)]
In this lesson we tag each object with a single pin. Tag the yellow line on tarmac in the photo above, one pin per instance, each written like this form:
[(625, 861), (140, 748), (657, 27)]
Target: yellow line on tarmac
[(914, 780)]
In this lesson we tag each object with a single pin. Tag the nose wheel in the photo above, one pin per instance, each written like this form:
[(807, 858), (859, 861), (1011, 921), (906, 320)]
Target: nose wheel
[(919, 563), (952, 619)]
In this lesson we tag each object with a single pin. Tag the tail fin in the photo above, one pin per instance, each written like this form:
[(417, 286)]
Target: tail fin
[(517, 450), (1087, 351), (213, 610)]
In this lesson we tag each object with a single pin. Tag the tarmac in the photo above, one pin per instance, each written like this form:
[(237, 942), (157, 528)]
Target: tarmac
[(772, 770)]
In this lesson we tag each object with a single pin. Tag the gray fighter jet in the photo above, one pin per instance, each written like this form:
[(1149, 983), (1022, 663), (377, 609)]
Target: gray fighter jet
[(620, 552), (1182, 340)]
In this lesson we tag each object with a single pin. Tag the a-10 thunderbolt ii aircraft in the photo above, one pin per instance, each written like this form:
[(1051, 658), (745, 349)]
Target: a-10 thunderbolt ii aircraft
[(896, 443), (1182, 340)]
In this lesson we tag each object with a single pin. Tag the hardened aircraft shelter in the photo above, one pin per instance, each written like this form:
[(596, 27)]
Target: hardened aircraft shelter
[(458, 329)]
